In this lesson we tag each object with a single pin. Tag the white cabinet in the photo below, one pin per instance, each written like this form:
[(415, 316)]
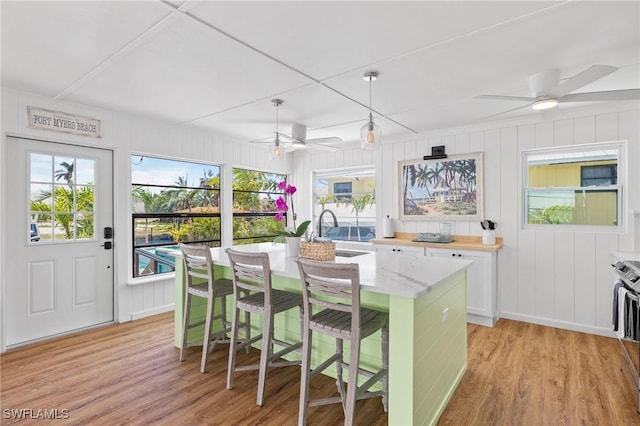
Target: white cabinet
[(419, 251), (482, 283)]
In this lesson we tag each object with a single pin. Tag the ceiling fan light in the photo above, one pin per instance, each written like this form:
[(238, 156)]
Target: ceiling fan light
[(545, 103)]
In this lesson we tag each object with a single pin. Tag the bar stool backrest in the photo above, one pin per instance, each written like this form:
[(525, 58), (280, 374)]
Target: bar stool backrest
[(334, 286), (198, 265), (251, 271)]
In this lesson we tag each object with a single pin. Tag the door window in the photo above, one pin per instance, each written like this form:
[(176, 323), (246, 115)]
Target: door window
[(61, 198)]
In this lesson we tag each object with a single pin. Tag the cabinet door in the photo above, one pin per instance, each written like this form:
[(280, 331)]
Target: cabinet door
[(479, 279), (419, 251)]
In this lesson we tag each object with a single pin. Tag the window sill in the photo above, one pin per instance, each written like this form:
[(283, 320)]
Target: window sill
[(152, 279)]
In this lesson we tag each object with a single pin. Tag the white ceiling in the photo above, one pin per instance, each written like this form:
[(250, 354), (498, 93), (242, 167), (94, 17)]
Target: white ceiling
[(218, 64)]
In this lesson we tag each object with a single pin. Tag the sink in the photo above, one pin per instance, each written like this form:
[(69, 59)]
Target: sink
[(350, 253)]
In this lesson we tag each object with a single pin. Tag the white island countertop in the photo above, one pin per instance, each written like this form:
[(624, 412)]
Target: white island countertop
[(403, 275)]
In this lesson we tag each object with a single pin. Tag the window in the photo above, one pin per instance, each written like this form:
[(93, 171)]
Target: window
[(254, 206), (350, 195), (599, 175), (342, 190), (62, 193), (574, 185), (173, 202)]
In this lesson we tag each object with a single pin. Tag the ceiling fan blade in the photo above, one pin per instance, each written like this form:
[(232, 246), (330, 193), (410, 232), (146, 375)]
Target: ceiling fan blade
[(503, 112), (591, 74), (263, 140), (325, 141), (505, 98), (609, 95), (324, 147)]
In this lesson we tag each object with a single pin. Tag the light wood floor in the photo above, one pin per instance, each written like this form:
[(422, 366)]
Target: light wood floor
[(518, 374)]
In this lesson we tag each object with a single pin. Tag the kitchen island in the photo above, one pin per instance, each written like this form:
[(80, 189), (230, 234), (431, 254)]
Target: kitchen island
[(426, 301)]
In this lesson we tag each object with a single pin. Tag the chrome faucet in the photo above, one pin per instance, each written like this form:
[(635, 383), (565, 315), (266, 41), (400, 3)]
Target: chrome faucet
[(335, 221)]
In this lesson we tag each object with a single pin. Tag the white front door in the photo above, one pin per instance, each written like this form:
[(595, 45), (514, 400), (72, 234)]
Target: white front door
[(59, 256)]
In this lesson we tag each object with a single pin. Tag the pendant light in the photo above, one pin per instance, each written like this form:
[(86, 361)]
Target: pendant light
[(277, 152), (370, 133)]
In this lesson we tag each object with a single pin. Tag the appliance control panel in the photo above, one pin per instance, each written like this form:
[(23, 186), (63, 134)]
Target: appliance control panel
[(627, 272)]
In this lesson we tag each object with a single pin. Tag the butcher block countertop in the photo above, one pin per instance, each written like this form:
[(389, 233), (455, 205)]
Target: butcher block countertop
[(460, 242)]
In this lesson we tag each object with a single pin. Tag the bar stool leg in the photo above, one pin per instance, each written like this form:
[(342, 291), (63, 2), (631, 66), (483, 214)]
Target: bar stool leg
[(206, 339), (352, 385), (339, 370), (232, 347), (247, 329), (304, 380), (265, 355), (185, 325)]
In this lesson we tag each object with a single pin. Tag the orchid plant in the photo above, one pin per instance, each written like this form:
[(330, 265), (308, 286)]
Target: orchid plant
[(283, 207)]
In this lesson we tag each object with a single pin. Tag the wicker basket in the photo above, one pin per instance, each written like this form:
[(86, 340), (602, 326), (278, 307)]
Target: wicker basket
[(318, 251)]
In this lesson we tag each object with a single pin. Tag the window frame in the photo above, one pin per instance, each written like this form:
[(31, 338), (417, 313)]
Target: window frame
[(252, 239), (619, 227), (327, 175), (348, 195), (213, 242)]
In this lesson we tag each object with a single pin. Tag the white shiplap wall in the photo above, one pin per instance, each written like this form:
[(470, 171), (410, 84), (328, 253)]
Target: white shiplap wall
[(125, 134), (562, 279)]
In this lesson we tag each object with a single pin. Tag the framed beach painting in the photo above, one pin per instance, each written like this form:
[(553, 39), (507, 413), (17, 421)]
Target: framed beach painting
[(444, 188)]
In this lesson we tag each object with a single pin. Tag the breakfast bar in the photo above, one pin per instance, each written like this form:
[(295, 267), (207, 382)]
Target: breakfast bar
[(426, 301)]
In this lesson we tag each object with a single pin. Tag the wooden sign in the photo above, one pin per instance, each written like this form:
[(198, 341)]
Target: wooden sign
[(45, 119)]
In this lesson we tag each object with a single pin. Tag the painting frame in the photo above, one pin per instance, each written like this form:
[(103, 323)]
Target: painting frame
[(448, 188)]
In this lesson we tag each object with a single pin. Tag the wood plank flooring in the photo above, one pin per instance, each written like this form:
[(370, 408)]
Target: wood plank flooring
[(525, 374), (129, 374)]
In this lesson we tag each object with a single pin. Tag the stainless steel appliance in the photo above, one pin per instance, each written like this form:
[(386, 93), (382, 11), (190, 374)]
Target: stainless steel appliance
[(628, 271)]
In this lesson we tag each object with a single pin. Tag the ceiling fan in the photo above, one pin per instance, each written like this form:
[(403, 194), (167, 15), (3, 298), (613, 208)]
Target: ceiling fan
[(298, 137), (547, 91)]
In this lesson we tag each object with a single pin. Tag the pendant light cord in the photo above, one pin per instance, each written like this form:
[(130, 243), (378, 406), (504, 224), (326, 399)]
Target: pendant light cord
[(370, 114)]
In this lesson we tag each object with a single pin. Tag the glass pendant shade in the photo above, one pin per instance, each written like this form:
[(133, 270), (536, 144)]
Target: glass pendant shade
[(370, 135), (277, 151)]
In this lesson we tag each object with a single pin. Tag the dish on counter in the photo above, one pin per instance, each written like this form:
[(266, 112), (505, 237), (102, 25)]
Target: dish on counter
[(428, 237)]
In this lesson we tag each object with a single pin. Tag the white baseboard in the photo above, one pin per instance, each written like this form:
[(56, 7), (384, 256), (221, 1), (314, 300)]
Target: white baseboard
[(606, 332), (152, 311), (481, 320)]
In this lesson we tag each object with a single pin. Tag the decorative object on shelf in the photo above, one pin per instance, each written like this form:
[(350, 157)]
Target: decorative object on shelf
[(370, 133), (387, 227), (432, 237), (488, 232), (444, 188), (283, 207), (437, 152), (318, 250), (277, 152)]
